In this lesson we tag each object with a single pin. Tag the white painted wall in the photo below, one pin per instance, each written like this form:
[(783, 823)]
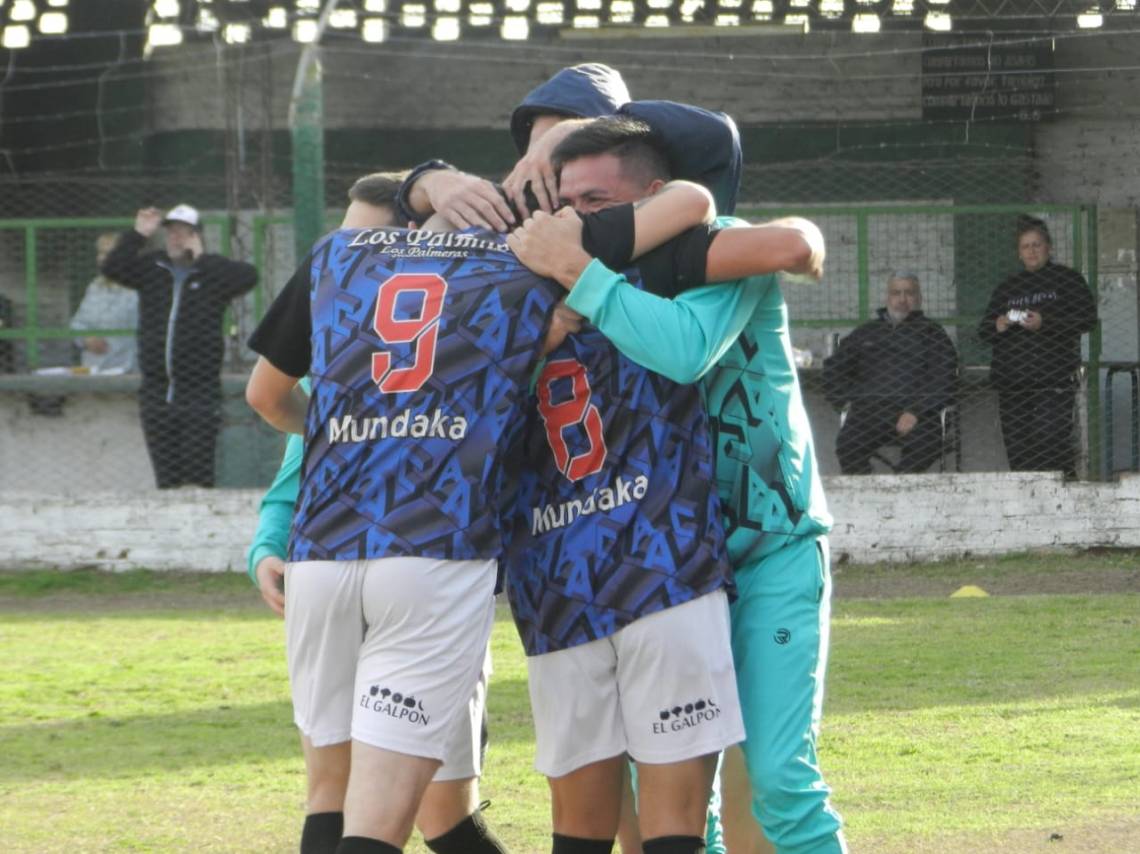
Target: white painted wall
[(878, 518)]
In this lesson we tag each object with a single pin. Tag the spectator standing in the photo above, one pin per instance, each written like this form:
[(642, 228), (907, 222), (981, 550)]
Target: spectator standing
[(1034, 323), (107, 305), (183, 294), (897, 372)]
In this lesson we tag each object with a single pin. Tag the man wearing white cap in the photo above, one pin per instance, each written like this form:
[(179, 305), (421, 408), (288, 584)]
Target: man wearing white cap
[(183, 294)]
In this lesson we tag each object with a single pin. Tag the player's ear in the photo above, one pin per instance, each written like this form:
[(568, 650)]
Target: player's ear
[(655, 185)]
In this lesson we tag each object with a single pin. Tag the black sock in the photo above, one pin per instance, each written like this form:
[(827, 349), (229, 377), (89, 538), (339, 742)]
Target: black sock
[(364, 845), (321, 832), (674, 845), (470, 836), (577, 845)]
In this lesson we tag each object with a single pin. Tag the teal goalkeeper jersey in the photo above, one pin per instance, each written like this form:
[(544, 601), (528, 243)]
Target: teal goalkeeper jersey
[(766, 470)]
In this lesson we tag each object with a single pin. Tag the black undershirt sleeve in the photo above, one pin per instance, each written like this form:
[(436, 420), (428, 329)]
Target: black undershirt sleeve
[(284, 335), (670, 269)]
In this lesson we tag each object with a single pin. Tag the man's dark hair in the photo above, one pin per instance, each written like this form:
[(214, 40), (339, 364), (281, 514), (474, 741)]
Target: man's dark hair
[(379, 189), (1027, 223), (631, 141)]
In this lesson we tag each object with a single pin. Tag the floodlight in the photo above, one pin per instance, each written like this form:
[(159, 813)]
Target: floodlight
[(237, 33), (374, 30), (586, 22), (445, 29), (938, 21), (831, 8), (1090, 20), (305, 31), (343, 19), (450, 6), (16, 36), (480, 14), (53, 23), (162, 35), (515, 28), (413, 16), (162, 8), (375, 5), (865, 23), (277, 18), (657, 21), (22, 10), (548, 13), (621, 11)]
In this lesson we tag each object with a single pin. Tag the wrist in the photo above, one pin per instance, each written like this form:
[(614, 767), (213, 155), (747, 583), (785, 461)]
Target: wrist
[(413, 201), (571, 267)]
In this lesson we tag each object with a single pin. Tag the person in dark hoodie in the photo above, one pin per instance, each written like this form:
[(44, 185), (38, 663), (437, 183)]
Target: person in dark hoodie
[(700, 145), (1034, 323), (897, 372), (183, 294)]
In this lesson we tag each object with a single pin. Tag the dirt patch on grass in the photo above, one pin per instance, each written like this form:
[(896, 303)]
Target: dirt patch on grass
[(854, 582)]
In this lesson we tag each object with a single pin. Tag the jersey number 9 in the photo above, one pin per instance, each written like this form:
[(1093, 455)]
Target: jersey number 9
[(422, 331)]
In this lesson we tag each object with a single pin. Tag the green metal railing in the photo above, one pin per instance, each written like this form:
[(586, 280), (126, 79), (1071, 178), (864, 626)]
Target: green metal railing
[(30, 331), (1082, 233)]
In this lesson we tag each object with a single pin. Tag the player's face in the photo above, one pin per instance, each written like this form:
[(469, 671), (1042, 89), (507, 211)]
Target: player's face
[(902, 298), (1033, 250), (591, 184)]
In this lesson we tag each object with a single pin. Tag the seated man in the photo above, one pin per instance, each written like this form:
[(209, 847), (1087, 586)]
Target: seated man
[(897, 372)]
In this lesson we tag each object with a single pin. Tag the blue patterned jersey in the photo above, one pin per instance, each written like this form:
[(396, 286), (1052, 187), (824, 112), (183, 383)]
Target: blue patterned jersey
[(616, 515), (423, 345)]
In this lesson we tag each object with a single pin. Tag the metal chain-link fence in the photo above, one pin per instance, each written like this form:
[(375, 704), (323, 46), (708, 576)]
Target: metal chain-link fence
[(76, 413)]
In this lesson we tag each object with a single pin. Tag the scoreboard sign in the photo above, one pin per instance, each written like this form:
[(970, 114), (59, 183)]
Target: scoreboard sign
[(977, 81)]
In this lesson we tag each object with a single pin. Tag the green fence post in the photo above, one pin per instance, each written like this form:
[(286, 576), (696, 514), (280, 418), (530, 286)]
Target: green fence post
[(307, 126), (1094, 420), (31, 290)]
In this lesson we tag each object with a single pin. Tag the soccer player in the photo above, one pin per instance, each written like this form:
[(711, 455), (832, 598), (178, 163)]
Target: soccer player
[(617, 578), (776, 517), (421, 347), (449, 816)]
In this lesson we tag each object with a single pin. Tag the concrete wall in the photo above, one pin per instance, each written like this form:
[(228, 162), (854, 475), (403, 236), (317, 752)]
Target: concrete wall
[(759, 79), (878, 518)]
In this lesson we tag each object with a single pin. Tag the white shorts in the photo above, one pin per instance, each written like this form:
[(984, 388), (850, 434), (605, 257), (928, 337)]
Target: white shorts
[(662, 689), (391, 653)]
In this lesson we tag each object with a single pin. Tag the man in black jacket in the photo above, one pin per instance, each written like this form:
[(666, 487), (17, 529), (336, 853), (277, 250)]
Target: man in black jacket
[(897, 372), (183, 295)]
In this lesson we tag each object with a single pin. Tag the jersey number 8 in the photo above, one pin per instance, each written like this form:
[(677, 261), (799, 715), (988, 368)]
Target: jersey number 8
[(577, 410), (423, 330)]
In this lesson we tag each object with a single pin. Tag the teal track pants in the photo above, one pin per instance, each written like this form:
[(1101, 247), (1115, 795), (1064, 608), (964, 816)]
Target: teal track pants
[(779, 643)]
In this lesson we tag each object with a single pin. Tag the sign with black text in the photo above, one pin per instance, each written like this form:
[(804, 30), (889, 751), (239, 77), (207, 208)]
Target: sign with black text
[(963, 81)]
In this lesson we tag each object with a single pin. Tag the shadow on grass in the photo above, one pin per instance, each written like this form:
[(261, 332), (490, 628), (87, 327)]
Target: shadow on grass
[(128, 746)]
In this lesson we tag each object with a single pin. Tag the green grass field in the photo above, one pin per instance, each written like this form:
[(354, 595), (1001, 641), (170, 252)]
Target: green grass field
[(146, 712)]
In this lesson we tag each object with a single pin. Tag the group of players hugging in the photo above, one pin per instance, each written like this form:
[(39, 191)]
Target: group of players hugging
[(576, 386)]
